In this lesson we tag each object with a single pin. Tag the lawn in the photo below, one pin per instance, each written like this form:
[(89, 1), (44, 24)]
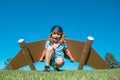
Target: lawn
[(107, 74)]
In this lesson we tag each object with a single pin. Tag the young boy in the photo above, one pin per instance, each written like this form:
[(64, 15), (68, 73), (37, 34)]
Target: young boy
[(55, 48)]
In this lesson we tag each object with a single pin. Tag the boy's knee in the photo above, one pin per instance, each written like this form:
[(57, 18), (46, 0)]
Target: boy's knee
[(50, 48), (59, 61)]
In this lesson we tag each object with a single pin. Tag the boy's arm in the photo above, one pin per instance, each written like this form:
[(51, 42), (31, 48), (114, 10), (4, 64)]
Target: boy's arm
[(69, 54), (42, 55)]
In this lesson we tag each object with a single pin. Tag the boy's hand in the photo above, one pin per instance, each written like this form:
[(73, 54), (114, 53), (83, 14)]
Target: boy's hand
[(72, 60), (41, 60)]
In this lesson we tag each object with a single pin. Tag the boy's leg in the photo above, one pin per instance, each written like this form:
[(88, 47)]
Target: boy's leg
[(48, 56)]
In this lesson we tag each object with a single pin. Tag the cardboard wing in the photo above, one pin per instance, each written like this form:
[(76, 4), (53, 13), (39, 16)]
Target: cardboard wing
[(36, 48)]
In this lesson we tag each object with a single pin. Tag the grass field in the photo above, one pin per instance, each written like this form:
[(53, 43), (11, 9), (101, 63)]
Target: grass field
[(110, 74)]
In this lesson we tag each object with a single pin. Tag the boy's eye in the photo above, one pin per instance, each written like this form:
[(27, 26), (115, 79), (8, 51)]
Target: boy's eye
[(54, 33), (57, 33)]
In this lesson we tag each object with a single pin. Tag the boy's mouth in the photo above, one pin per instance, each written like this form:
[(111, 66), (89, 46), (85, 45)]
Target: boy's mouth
[(56, 38)]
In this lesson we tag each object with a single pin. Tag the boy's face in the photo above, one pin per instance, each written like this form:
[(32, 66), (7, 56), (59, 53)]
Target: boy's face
[(56, 35)]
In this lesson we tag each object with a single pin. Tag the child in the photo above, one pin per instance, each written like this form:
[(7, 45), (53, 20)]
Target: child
[(55, 48)]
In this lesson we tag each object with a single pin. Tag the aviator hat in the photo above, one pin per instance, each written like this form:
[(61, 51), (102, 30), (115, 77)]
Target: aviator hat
[(57, 27)]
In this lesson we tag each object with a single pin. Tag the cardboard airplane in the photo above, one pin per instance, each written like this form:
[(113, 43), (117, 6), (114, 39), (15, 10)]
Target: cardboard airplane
[(81, 51)]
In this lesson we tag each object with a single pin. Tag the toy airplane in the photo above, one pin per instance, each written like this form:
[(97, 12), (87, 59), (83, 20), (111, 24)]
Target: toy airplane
[(81, 51)]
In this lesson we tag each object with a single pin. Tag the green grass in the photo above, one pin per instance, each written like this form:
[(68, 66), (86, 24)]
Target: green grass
[(108, 74)]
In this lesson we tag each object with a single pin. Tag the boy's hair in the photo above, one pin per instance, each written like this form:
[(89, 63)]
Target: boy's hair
[(58, 29)]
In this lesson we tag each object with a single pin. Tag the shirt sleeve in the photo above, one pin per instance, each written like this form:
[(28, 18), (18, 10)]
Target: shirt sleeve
[(65, 45), (47, 44)]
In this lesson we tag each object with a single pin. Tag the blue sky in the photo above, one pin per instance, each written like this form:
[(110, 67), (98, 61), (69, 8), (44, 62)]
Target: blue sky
[(32, 20)]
